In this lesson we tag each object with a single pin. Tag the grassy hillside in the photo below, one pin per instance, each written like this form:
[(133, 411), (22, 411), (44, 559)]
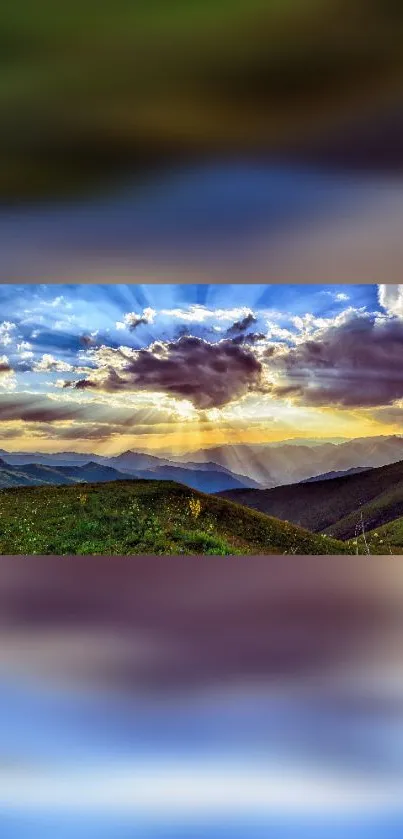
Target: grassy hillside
[(387, 539), (386, 507), (133, 517), (333, 505)]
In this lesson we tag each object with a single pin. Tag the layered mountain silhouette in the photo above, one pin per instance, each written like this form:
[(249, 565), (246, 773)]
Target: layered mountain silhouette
[(272, 465), (256, 466), (210, 479)]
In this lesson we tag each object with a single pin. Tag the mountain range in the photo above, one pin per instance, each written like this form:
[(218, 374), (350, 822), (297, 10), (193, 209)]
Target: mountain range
[(232, 467), (57, 470), (272, 465)]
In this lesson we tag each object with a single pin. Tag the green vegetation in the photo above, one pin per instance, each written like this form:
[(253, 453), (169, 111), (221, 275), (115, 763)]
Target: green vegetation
[(387, 539), (386, 508), (88, 88), (140, 517)]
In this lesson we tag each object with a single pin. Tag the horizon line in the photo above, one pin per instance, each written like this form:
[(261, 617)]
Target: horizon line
[(164, 454)]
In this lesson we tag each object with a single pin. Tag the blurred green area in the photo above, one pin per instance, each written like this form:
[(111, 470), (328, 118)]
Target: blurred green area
[(91, 89)]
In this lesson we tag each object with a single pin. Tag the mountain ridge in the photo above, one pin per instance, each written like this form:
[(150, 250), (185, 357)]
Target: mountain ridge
[(333, 506), (32, 474)]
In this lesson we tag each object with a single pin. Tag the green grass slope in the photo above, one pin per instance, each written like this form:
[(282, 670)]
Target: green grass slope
[(384, 508), (135, 516), (335, 505), (387, 539)]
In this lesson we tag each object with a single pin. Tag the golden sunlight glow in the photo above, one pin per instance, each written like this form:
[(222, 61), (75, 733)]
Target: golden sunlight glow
[(210, 428)]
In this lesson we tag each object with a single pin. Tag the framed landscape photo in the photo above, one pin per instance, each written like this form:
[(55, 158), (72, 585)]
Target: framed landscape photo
[(201, 419)]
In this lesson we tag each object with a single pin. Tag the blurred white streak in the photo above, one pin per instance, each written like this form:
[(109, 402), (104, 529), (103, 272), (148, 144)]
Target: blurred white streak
[(204, 789)]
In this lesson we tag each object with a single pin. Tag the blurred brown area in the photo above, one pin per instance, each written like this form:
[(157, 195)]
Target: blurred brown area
[(173, 624), (91, 90)]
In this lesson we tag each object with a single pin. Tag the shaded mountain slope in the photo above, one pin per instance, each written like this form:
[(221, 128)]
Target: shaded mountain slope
[(203, 480), (333, 505), (329, 476)]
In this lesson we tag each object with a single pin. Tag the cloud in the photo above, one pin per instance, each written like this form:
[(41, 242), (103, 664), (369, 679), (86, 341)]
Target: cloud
[(35, 407), (209, 375), (4, 365), (82, 384), (87, 340), (40, 408), (49, 364), (6, 329), (356, 362), (242, 325), (80, 431), (7, 378), (250, 338), (390, 415), (391, 299), (25, 350), (57, 303), (197, 313), (132, 320)]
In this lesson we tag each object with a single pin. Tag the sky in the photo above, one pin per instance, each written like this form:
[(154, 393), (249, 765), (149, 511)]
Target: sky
[(174, 368)]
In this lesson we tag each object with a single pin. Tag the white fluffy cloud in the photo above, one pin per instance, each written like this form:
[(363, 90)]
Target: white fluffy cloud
[(6, 330), (7, 378), (132, 319), (25, 350), (391, 299), (199, 314), (49, 364)]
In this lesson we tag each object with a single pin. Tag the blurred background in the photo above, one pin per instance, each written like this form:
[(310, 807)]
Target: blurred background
[(273, 123), (201, 697)]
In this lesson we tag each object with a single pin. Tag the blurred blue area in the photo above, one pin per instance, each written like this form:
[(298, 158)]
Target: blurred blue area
[(107, 731), (230, 222)]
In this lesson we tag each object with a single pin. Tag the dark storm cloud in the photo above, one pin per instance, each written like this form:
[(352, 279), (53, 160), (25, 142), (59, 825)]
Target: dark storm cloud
[(209, 375), (251, 338), (242, 325), (356, 363), (4, 367)]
